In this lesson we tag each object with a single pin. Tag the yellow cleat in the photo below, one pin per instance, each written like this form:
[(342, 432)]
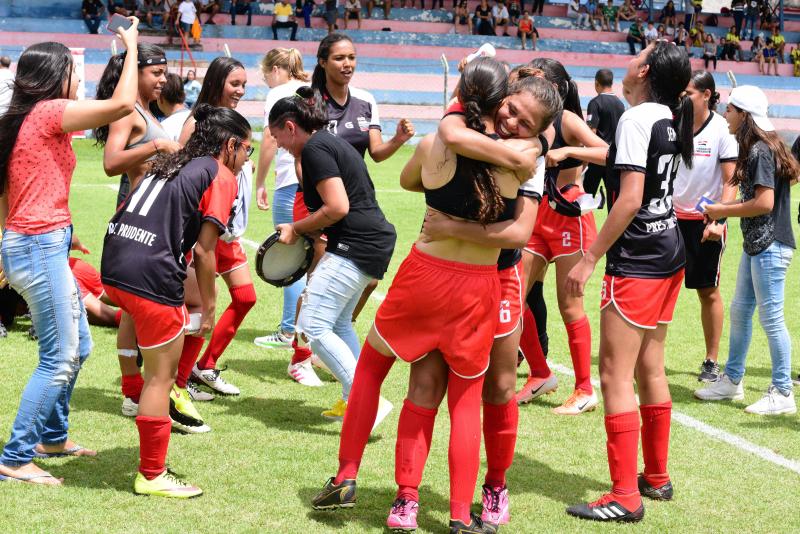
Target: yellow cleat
[(336, 413), (165, 485)]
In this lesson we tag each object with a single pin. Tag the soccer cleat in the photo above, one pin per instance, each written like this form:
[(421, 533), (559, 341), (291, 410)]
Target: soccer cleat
[(336, 413), (303, 373), (709, 371), (384, 409), (197, 394), (495, 505), (129, 408), (722, 389), (577, 403), (403, 516), (476, 526), (773, 403), (184, 415), (661, 493), (212, 379), (536, 387), (606, 509), (275, 340), (165, 485), (335, 496)]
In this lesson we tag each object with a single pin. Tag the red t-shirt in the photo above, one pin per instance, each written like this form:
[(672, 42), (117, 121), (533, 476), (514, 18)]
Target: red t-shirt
[(40, 171), (525, 26)]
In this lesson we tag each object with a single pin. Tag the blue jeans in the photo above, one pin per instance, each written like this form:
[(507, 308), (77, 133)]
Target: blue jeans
[(37, 269), (327, 314), (282, 204), (761, 281)]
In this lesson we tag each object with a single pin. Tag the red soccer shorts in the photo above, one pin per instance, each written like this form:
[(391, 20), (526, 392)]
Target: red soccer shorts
[(643, 302), (299, 210), (445, 305), (230, 256), (89, 282), (555, 235), (512, 289), (155, 324)]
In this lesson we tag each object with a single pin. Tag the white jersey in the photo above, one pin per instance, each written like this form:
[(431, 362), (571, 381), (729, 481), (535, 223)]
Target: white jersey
[(173, 124), (713, 145), (284, 162), (241, 205)]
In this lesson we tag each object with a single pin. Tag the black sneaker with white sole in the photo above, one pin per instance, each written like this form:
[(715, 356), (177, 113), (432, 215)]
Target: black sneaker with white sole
[(606, 509), (709, 371), (661, 493), (476, 526), (335, 496)]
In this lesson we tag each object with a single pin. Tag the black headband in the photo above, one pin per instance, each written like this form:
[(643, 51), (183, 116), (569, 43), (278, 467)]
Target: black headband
[(161, 60)]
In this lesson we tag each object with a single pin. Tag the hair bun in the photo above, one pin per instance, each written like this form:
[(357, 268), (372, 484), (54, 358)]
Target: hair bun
[(202, 112), (305, 91)]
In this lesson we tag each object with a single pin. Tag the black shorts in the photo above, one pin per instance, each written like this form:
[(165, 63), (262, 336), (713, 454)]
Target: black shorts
[(703, 260)]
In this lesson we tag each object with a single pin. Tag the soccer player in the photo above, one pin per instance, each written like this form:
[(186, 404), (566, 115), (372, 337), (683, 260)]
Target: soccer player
[(639, 290), (184, 202), (602, 116), (709, 179), (98, 306)]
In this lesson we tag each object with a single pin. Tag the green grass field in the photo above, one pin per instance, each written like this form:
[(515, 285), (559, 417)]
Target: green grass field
[(270, 450)]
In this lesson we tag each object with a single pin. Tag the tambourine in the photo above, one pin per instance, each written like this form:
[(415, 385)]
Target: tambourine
[(282, 265)]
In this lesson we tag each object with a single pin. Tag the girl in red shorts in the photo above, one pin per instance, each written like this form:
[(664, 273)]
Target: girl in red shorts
[(447, 292), (184, 202), (644, 270)]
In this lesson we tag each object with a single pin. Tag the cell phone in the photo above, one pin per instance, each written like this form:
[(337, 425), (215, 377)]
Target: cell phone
[(702, 203), (118, 21)]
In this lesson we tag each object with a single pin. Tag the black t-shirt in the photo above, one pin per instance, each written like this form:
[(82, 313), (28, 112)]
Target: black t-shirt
[(92, 7), (603, 114), (651, 246), (144, 247), (364, 236), (353, 121), (480, 13), (759, 232)]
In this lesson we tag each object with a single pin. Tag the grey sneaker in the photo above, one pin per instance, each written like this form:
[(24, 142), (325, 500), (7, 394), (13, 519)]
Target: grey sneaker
[(275, 340), (722, 389), (709, 371)]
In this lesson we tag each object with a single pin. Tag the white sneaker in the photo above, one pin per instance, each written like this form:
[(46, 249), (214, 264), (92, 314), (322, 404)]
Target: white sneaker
[(212, 379), (773, 403), (384, 408), (304, 374), (275, 340), (722, 389), (129, 408), (197, 394)]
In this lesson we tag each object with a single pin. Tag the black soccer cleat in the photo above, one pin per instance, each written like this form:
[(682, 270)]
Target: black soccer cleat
[(476, 526), (335, 496), (606, 509), (662, 493), (709, 371)]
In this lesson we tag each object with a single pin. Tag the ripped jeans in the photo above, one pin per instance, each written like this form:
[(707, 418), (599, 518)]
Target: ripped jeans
[(37, 268)]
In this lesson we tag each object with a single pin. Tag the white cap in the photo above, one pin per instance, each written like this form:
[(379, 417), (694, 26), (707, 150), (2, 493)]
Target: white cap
[(752, 99), (486, 50)]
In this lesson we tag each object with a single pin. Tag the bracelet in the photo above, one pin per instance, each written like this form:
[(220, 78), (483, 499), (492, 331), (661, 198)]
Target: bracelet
[(155, 146)]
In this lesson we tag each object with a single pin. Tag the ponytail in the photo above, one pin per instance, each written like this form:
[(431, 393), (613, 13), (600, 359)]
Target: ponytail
[(289, 59), (684, 128), (555, 73), (572, 101), (306, 108)]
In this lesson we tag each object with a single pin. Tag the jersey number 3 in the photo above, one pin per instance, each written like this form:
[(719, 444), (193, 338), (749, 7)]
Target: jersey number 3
[(667, 167)]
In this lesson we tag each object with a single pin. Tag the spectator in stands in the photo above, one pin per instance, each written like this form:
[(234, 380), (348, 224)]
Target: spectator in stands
[(795, 57), (191, 87), (500, 16), (595, 14), (147, 9), (779, 41), (526, 30), (387, 7), (92, 12), (770, 57), (331, 13), (697, 35), (635, 35), (483, 16), (756, 50), (578, 12), (118, 7), (241, 7), (610, 16), (283, 17), (188, 14), (211, 7), (668, 16), (172, 103), (650, 33), (6, 83), (352, 10), (682, 38), (514, 12), (537, 7), (626, 12), (661, 30), (733, 46), (751, 10), (765, 14), (737, 10), (710, 51), (602, 116), (462, 17)]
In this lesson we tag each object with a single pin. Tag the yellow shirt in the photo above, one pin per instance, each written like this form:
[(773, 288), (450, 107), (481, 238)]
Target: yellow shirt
[(778, 40), (282, 12), (732, 38)]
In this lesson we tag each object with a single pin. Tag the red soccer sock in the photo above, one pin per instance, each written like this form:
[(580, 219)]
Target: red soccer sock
[(656, 420), (464, 403), (132, 386), (500, 437), (531, 348), (622, 445), (243, 298), (579, 334), (414, 433), (191, 349), (362, 408), (301, 354), (153, 444), (118, 317)]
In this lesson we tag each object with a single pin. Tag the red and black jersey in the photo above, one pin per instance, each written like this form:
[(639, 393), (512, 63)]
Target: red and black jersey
[(144, 247), (646, 142)]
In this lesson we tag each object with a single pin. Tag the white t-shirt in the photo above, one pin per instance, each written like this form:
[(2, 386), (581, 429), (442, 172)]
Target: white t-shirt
[(6, 89), (499, 12), (284, 162), (174, 123), (651, 33), (188, 12), (712, 145)]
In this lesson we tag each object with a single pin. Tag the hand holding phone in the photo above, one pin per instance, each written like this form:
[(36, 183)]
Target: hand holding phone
[(125, 27)]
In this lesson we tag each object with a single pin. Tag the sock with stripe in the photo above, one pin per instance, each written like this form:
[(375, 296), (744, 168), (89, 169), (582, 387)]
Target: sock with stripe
[(132, 386), (362, 408), (153, 444), (622, 445), (656, 420), (579, 334), (531, 348), (464, 403), (414, 433), (500, 437), (243, 298), (191, 350)]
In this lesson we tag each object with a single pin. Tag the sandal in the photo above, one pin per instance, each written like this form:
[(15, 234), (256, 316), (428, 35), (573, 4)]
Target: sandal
[(75, 450), (31, 479)]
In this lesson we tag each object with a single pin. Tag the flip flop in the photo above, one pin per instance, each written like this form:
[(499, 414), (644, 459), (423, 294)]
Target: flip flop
[(29, 479), (72, 451)]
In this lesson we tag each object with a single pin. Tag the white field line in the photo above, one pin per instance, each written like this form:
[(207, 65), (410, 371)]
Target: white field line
[(714, 432)]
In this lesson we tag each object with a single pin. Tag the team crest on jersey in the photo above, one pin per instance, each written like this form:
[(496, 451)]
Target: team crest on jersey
[(348, 125), (671, 135), (363, 124)]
